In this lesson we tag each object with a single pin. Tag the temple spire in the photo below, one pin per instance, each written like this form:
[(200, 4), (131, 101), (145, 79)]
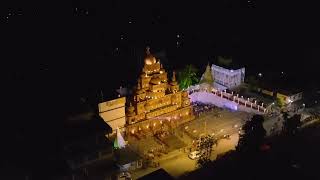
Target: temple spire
[(207, 76), (148, 50), (119, 142), (138, 84), (173, 76)]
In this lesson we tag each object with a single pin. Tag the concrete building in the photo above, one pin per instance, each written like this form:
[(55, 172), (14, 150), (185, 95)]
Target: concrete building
[(113, 113), (287, 97), (227, 78), (84, 141)]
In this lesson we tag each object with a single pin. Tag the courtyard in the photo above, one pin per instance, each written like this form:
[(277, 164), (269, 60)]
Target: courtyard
[(171, 151)]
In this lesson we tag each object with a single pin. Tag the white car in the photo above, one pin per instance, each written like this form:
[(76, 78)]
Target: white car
[(124, 176), (194, 155)]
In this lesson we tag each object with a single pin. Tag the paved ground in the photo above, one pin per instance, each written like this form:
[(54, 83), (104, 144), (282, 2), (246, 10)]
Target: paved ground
[(215, 122), (218, 122)]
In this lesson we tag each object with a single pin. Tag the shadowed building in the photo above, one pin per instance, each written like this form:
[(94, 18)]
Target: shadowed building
[(84, 140)]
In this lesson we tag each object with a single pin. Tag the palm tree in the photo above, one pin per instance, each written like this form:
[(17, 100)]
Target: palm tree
[(188, 76)]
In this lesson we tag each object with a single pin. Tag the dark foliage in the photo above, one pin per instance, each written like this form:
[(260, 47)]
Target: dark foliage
[(291, 125), (253, 135), (205, 149)]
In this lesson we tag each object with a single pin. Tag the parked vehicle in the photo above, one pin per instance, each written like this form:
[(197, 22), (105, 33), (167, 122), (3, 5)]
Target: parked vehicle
[(194, 155), (226, 136), (124, 176)]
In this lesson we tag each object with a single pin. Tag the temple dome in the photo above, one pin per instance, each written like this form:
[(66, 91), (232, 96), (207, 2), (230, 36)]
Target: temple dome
[(149, 59), (155, 80)]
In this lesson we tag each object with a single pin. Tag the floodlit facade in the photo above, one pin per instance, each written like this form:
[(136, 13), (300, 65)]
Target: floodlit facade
[(287, 97), (227, 78), (113, 113), (156, 101)]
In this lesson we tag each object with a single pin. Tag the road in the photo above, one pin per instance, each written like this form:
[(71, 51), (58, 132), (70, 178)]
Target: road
[(177, 163)]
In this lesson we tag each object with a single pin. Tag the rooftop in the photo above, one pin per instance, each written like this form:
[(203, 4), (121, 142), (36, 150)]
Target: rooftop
[(82, 126), (126, 155), (88, 147)]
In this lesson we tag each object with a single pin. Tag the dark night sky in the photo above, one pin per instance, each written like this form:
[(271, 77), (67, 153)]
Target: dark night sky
[(71, 47), (53, 53), (75, 43)]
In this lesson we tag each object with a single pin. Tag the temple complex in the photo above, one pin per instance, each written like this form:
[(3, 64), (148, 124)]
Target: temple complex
[(156, 103)]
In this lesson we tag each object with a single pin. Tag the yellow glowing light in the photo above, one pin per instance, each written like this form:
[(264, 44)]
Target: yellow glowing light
[(148, 62)]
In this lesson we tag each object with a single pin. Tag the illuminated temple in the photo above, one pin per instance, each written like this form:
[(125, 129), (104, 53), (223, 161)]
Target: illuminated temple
[(156, 103)]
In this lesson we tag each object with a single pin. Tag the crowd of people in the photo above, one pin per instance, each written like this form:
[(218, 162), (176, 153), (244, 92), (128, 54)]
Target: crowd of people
[(199, 108)]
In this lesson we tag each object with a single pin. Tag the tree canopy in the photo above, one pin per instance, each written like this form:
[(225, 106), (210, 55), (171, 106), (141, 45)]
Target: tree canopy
[(253, 135), (188, 76), (291, 125), (253, 83), (224, 61)]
